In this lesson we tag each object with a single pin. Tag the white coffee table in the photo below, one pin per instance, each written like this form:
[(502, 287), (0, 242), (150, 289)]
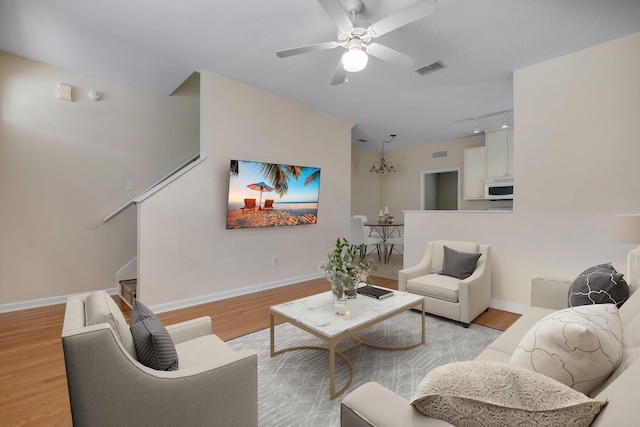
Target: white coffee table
[(317, 316)]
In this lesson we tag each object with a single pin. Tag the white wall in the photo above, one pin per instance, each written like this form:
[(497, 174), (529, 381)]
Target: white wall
[(64, 166), (576, 164), (185, 253)]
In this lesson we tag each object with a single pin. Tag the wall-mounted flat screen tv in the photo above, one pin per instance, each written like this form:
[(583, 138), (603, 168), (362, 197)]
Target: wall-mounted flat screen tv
[(271, 194)]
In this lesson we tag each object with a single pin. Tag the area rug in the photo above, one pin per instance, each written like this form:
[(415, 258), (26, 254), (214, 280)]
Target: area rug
[(293, 387)]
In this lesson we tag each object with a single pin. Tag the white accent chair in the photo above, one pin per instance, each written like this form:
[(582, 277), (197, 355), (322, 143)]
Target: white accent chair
[(359, 237), (214, 385), (445, 296)]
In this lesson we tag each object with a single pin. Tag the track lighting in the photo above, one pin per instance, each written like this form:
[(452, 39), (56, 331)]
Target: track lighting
[(476, 127), (505, 123)]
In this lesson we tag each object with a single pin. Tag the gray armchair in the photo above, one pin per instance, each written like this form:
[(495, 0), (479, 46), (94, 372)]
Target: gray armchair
[(457, 299), (214, 385)]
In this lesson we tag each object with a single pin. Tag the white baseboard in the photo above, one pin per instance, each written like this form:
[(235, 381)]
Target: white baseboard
[(175, 305), (62, 299), (509, 306), (43, 302)]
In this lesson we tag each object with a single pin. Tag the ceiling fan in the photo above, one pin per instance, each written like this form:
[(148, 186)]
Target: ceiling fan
[(357, 40)]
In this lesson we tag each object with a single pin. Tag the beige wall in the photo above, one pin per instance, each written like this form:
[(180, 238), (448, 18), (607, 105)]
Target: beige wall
[(64, 167), (185, 253), (365, 186), (401, 190), (576, 164)]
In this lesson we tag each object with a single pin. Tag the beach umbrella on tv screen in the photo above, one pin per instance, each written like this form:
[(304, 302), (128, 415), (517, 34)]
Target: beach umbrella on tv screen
[(261, 187)]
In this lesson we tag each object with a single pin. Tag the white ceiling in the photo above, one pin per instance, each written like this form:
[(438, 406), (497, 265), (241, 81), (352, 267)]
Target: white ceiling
[(157, 44)]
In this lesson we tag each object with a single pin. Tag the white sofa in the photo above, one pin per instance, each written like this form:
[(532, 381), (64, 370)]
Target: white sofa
[(373, 405)]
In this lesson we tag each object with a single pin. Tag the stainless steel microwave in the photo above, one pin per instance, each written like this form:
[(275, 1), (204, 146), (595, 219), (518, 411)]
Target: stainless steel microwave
[(498, 188)]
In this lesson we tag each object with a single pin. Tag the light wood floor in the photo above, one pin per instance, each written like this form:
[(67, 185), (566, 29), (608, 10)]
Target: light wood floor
[(33, 386)]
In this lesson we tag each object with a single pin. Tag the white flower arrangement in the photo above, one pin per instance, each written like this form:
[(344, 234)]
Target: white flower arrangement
[(345, 270)]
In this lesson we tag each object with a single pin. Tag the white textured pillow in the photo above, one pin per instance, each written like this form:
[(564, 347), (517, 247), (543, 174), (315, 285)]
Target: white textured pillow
[(479, 393), (579, 346)]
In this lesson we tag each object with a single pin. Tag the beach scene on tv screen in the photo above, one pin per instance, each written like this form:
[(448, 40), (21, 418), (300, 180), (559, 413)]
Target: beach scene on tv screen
[(271, 194)]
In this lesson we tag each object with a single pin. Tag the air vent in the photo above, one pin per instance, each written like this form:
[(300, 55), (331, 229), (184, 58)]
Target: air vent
[(439, 154), (428, 69)]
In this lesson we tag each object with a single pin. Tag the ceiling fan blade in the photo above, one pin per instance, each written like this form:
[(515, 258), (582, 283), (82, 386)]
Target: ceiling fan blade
[(337, 14), (409, 14), (390, 55), (340, 75), (304, 49)]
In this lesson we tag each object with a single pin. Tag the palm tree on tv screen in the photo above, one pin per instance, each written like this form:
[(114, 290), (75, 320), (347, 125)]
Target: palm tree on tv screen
[(279, 175)]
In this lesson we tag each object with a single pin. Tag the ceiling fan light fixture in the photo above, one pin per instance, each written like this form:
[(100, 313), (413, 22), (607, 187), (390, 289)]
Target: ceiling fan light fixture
[(354, 59)]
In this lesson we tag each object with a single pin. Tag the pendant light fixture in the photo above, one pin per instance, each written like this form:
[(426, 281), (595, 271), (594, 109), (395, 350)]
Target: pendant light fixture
[(383, 165)]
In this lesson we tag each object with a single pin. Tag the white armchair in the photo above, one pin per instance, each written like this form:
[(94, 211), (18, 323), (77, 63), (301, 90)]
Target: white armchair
[(214, 385), (457, 299)]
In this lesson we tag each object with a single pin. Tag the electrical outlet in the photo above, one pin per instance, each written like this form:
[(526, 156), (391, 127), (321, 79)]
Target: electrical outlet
[(275, 261)]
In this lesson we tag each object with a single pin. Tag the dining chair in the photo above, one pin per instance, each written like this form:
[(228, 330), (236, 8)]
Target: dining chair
[(359, 237), (394, 243), (369, 231)]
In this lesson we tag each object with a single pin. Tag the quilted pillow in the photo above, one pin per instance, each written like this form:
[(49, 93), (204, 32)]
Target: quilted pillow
[(153, 343), (480, 393), (459, 264), (579, 346), (600, 284)]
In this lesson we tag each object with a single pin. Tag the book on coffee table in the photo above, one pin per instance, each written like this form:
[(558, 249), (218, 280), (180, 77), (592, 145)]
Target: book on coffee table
[(373, 292)]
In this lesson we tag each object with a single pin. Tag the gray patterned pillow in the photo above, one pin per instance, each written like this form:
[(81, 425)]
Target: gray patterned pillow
[(153, 343), (479, 393), (459, 264), (600, 284)]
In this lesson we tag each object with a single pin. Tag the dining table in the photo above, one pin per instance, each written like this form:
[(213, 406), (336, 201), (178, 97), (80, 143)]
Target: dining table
[(385, 230)]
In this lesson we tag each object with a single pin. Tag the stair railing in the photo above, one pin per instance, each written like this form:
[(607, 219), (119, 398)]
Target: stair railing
[(161, 181)]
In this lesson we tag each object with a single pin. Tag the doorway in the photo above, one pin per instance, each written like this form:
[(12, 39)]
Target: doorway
[(440, 189)]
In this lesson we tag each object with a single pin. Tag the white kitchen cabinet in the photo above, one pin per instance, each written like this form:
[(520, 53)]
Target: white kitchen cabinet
[(499, 145), (474, 173)]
